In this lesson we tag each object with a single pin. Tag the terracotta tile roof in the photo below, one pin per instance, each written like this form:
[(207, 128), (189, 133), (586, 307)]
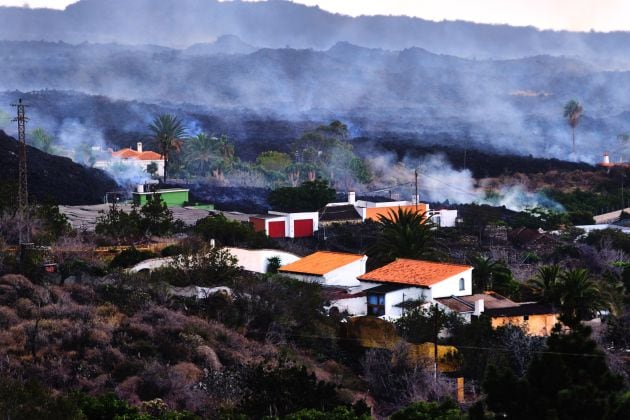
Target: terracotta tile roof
[(320, 263), (134, 154), (149, 155), (414, 272)]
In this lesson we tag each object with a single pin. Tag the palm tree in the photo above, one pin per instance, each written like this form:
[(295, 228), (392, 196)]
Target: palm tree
[(580, 297), (200, 153), (487, 273), (168, 133), (573, 112), (404, 234), (546, 284)]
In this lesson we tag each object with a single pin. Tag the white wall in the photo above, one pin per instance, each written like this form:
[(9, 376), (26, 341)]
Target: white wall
[(290, 218), (142, 164), (444, 218), (346, 276), (354, 306), (450, 286), (399, 296), (256, 259), (249, 259)]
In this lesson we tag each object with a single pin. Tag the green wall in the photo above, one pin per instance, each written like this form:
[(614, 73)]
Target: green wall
[(172, 198)]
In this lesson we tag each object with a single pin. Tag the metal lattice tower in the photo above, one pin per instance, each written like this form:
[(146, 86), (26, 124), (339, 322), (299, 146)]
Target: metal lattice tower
[(22, 174)]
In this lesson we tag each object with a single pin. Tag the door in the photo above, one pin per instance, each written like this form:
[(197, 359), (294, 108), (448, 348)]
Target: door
[(276, 229), (303, 228)]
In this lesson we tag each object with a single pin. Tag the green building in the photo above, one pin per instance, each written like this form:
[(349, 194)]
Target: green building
[(173, 197)]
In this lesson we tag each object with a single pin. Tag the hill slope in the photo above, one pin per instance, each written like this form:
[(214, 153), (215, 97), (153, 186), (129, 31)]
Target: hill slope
[(54, 177)]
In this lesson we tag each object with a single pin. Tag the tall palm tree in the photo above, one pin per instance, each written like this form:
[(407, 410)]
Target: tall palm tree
[(573, 112), (404, 234), (546, 284), (168, 133), (200, 153), (580, 297)]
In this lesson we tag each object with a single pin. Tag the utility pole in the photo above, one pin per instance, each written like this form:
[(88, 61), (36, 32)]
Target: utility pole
[(417, 198), (23, 227), (436, 332)]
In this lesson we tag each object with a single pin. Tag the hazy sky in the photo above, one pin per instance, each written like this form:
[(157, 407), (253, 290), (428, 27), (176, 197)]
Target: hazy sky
[(601, 15)]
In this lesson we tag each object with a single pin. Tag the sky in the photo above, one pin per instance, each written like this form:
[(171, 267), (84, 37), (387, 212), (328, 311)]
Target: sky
[(577, 15)]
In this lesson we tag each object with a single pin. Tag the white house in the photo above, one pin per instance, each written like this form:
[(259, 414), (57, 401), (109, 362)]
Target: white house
[(388, 287), (129, 157), (333, 269), (277, 224)]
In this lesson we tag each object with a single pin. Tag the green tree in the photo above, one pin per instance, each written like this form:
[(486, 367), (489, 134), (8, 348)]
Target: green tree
[(272, 161), (423, 410), (117, 223), (546, 284), (403, 234), (285, 390), (152, 169), (55, 224), (570, 380), (489, 274), (155, 217), (310, 196), (200, 153), (580, 297), (418, 325), (230, 233), (168, 133), (573, 112)]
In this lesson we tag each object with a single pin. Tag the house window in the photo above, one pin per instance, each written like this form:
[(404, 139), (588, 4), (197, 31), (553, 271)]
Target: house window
[(462, 284), (526, 318), (375, 304)]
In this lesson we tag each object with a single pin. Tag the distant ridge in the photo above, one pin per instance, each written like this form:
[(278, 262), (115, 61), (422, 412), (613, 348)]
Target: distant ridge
[(279, 23)]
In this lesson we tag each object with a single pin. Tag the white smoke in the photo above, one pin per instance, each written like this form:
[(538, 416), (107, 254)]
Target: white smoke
[(439, 182)]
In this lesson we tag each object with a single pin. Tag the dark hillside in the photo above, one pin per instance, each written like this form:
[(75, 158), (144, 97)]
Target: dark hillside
[(54, 177), (481, 163)]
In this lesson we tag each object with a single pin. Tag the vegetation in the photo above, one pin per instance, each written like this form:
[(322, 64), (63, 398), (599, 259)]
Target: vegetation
[(168, 133), (230, 233), (573, 112), (403, 234), (310, 196), (153, 218), (569, 380)]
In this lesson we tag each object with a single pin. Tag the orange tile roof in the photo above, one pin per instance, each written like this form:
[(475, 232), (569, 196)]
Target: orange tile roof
[(149, 155), (414, 272), (124, 153), (134, 154), (321, 262)]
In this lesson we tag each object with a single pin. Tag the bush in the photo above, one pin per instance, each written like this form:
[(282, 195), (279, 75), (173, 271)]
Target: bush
[(231, 233), (130, 257)]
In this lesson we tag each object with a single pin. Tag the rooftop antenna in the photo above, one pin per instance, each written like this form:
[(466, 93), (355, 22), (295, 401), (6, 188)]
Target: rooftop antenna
[(23, 224)]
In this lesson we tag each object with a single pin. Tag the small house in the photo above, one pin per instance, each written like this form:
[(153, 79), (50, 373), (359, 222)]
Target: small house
[(139, 158), (328, 268), (389, 287), (538, 319), (286, 225)]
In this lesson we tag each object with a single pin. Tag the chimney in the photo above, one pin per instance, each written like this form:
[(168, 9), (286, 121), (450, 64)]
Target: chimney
[(139, 147), (479, 307), (352, 197), (606, 160), (140, 188)]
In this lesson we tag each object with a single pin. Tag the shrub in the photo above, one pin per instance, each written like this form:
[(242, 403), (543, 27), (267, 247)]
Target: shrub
[(130, 257)]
